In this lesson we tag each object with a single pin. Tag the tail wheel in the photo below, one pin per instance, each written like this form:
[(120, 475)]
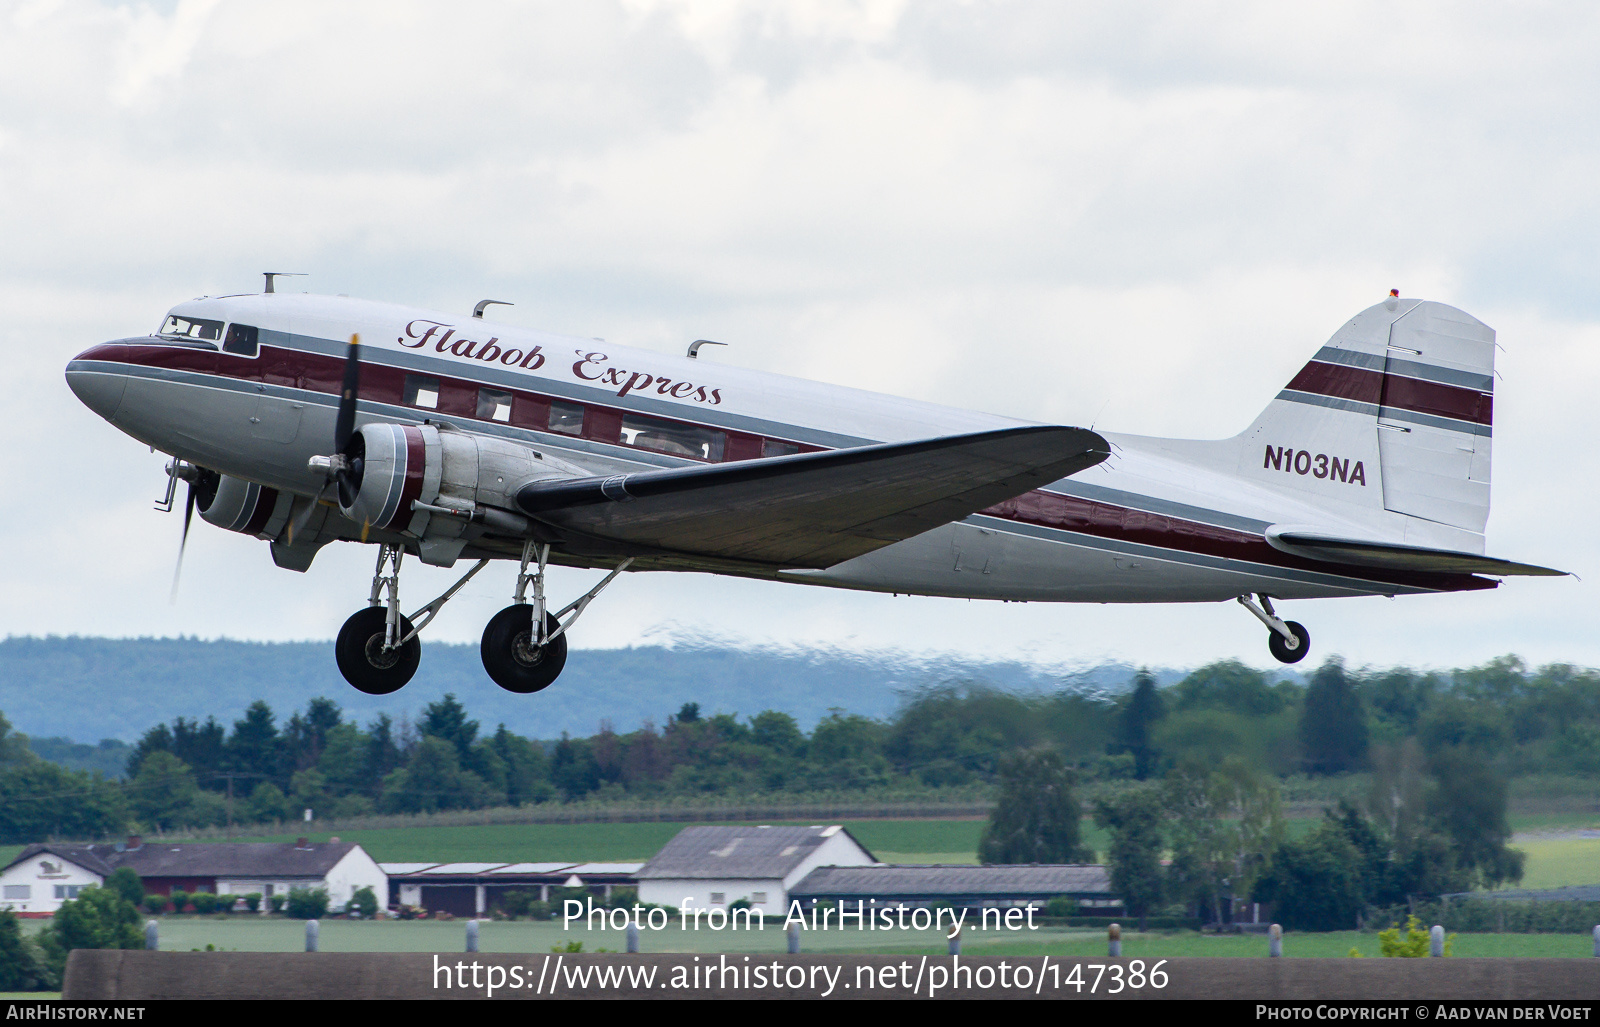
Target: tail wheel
[(1285, 651), (363, 660), (511, 657)]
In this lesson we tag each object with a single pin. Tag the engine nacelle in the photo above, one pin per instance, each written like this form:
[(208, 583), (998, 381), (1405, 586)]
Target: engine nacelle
[(243, 506), (440, 486)]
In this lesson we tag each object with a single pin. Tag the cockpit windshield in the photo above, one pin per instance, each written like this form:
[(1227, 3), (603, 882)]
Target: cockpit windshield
[(194, 328)]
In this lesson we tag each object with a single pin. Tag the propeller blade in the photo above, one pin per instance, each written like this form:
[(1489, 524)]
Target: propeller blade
[(188, 515), (345, 426)]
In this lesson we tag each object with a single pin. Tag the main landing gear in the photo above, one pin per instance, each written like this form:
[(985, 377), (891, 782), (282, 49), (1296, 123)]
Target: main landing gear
[(378, 649), (1287, 640)]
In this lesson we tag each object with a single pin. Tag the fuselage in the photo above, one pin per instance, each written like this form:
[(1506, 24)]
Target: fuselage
[(248, 386)]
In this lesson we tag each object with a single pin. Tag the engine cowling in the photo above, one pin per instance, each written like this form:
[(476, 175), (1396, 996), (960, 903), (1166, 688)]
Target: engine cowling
[(440, 485), (243, 506)]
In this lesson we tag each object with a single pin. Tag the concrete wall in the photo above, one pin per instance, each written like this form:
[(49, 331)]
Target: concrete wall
[(110, 974)]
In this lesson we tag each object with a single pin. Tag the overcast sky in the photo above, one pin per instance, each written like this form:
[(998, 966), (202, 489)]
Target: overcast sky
[(1142, 215)]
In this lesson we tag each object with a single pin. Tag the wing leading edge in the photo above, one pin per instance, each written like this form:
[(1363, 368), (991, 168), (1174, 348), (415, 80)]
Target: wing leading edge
[(812, 510)]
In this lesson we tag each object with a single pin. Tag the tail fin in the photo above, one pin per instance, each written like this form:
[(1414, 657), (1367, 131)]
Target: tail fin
[(1393, 413)]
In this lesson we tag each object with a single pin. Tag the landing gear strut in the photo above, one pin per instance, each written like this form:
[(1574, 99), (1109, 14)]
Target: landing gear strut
[(525, 646), (378, 650), (1288, 641)]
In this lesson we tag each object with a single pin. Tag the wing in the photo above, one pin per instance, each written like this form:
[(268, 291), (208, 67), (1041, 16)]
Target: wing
[(814, 509), (1364, 553)]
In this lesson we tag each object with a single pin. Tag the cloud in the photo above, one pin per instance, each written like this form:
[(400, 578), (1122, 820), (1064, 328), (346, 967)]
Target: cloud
[(1145, 215)]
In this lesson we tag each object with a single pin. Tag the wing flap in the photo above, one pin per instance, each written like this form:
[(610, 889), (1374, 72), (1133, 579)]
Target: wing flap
[(813, 510), (1367, 553)]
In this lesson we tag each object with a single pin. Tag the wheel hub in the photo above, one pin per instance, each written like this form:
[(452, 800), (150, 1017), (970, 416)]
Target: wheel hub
[(380, 657), (524, 651)]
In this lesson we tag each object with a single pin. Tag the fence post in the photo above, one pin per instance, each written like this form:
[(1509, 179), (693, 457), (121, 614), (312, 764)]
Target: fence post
[(794, 938), (312, 930), (1275, 940), (955, 942), (1436, 941), (152, 937), (472, 935), (633, 937), (1114, 939)]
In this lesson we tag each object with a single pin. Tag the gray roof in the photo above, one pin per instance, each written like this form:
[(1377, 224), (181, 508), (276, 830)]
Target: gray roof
[(935, 881), (743, 851), (82, 855), (226, 859)]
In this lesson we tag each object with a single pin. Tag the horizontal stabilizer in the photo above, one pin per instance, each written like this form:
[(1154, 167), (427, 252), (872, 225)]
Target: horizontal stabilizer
[(812, 510), (1365, 553)]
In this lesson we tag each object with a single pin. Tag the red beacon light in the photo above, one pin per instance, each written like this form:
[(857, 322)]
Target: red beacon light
[(1393, 300)]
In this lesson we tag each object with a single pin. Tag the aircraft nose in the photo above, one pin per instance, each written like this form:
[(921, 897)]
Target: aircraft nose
[(93, 378)]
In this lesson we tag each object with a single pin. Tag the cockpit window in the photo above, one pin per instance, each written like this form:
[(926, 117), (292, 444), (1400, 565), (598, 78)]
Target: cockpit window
[(192, 328), (242, 339)]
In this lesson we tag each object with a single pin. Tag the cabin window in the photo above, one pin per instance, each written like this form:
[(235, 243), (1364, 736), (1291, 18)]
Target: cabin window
[(19, 891), (242, 339), (191, 328), (770, 447), (494, 405), (422, 391), (676, 439), (566, 418)]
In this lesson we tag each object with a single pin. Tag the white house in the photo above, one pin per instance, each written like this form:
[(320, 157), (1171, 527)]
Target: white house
[(223, 868), (713, 867), (42, 877)]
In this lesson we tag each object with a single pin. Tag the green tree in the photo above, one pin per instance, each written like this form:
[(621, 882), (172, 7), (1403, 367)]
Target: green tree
[(267, 804), (1333, 722), (1468, 806), (22, 966), (363, 902), (164, 794), (307, 903), (1036, 818), (1224, 823), (433, 780), (777, 732), (1134, 721), (126, 883), (1315, 882), (14, 751), (1134, 819), (255, 747), (97, 919)]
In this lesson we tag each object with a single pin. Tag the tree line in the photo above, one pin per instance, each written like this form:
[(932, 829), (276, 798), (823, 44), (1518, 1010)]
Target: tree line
[(1400, 725)]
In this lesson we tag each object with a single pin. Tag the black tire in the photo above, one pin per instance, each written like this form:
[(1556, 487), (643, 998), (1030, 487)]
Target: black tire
[(1280, 645), (511, 659), (362, 661)]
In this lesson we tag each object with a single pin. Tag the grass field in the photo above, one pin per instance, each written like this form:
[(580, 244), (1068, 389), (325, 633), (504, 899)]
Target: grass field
[(256, 934)]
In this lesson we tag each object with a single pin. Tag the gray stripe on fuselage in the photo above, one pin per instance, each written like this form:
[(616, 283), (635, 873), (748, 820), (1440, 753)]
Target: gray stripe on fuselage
[(1388, 413), (1218, 563), (1406, 368)]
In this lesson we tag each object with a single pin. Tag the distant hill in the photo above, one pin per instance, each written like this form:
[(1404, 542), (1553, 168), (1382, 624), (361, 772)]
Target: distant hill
[(87, 689)]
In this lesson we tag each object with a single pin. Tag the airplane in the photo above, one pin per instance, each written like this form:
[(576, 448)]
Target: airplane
[(304, 419)]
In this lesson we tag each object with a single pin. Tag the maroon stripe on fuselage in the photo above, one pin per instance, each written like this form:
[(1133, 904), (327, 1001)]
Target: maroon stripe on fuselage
[(266, 499), (1124, 524), (412, 490), (314, 372), (1392, 390)]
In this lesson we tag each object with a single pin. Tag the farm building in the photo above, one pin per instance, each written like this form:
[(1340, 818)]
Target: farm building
[(471, 889), (45, 875), (713, 867), (960, 887)]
